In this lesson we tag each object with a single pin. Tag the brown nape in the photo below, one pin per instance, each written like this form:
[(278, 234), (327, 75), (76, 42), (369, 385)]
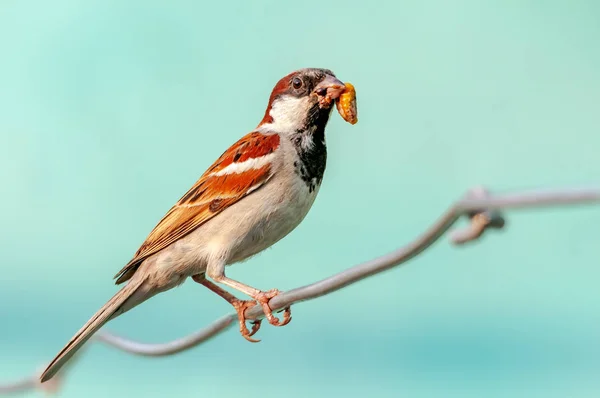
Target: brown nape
[(280, 88)]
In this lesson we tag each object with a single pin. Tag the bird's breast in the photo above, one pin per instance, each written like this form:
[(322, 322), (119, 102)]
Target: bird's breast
[(268, 214), (279, 208)]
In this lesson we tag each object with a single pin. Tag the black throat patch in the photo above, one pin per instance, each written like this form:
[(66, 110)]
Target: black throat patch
[(310, 145)]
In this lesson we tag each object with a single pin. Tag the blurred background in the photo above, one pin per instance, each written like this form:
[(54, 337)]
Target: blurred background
[(110, 110)]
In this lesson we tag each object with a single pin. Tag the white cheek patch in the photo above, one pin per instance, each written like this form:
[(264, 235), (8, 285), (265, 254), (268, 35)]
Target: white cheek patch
[(288, 113)]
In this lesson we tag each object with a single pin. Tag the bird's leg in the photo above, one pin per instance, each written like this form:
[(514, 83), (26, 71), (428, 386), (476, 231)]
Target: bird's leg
[(262, 298), (240, 307), (218, 275)]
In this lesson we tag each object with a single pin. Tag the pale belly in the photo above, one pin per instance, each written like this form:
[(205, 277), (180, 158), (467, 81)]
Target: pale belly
[(248, 227), (265, 228)]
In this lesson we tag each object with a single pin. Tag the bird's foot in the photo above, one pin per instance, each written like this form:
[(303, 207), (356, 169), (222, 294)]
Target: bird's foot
[(240, 307), (263, 299)]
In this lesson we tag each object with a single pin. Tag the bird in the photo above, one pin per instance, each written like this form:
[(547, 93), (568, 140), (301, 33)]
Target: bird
[(253, 195)]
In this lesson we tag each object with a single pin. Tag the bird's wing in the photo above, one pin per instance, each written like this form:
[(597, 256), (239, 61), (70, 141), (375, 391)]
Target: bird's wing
[(241, 170)]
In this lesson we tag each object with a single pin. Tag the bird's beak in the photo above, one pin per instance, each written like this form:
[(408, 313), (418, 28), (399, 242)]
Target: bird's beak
[(328, 90)]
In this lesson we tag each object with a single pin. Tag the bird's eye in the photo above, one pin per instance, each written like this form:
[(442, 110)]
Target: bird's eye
[(296, 83)]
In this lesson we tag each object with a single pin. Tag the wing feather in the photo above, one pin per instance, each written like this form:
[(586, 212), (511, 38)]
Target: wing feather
[(239, 171)]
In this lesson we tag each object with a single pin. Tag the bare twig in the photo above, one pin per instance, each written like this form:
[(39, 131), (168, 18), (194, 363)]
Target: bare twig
[(170, 348), (19, 386), (33, 382), (479, 205)]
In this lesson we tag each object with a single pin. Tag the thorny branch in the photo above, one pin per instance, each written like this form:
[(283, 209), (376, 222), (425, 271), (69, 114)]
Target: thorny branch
[(481, 207)]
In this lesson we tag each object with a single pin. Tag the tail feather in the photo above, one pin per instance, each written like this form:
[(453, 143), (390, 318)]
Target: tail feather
[(96, 322)]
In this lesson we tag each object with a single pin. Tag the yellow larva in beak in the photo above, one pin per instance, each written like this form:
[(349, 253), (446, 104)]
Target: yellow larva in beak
[(346, 104)]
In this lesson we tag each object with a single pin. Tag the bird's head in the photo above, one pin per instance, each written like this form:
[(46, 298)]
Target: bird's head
[(301, 100)]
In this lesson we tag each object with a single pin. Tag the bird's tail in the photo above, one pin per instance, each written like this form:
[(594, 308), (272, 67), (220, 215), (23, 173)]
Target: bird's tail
[(110, 310)]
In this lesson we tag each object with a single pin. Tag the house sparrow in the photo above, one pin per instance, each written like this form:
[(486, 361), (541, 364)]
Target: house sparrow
[(256, 193)]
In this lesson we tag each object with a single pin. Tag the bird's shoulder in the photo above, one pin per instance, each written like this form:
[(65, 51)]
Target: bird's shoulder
[(243, 168)]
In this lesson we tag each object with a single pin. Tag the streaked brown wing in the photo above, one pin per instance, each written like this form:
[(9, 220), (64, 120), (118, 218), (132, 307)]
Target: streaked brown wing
[(210, 195)]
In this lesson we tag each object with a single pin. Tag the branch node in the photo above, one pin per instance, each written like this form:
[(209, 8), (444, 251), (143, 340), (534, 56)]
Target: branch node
[(480, 219)]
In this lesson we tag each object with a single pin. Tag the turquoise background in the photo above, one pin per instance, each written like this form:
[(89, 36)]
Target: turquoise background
[(110, 110)]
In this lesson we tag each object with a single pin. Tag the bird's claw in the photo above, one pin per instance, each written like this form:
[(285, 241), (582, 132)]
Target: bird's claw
[(240, 307), (255, 326), (263, 299)]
